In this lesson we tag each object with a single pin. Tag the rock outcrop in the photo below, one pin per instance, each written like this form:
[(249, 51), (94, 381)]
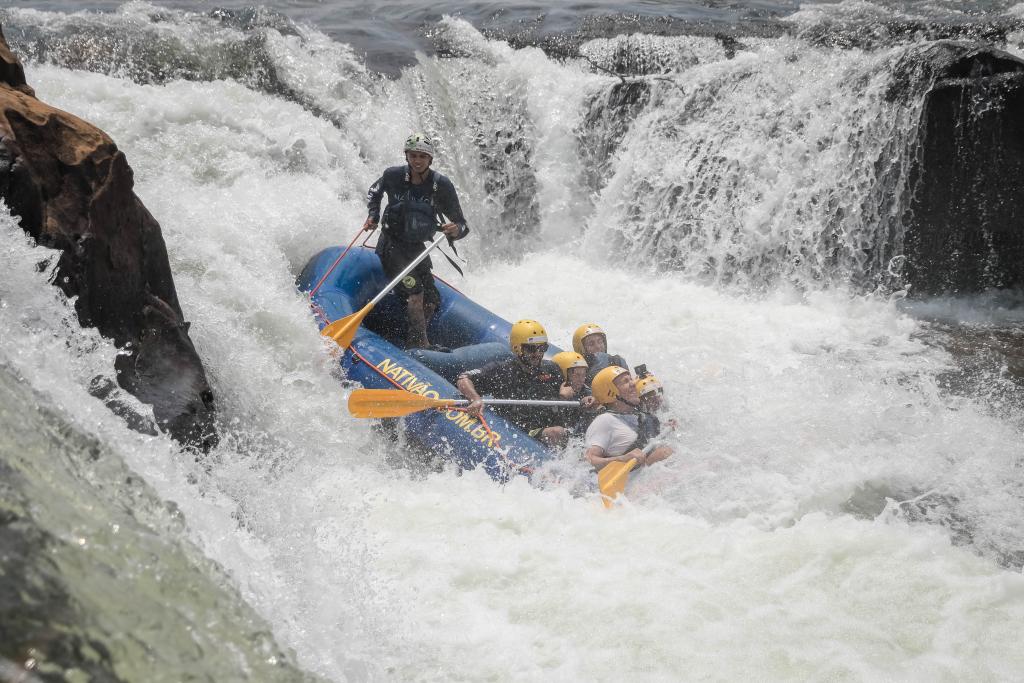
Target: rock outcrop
[(965, 231), (72, 189)]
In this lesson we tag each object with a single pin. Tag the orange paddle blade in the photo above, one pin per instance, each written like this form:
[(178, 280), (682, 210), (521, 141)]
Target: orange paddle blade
[(343, 330), (391, 403), (612, 478)]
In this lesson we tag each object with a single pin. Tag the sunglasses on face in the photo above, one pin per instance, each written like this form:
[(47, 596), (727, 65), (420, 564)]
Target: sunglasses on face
[(535, 348)]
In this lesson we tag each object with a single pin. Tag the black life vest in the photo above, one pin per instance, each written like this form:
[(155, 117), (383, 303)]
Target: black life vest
[(647, 427), (410, 219)]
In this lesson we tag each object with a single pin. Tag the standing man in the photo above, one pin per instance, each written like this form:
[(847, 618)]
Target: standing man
[(417, 197)]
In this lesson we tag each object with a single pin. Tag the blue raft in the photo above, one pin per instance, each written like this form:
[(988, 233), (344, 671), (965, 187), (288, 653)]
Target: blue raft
[(376, 360)]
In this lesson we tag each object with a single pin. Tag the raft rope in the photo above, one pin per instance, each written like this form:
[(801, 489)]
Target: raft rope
[(345, 253), (336, 262)]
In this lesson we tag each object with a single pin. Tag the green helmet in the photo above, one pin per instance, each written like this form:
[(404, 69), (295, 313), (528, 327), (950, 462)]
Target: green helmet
[(418, 142)]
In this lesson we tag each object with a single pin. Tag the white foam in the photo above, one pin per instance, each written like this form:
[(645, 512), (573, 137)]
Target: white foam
[(741, 557)]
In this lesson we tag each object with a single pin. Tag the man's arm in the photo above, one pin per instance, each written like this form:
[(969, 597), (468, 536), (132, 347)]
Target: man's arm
[(597, 457), (373, 198), (447, 202), (657, 454), (468, 389)]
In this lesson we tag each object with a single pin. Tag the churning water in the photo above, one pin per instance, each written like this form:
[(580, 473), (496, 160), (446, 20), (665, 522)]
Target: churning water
[(846, 498)]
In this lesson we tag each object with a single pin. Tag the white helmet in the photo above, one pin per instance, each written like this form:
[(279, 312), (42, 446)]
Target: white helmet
[(418, 142)]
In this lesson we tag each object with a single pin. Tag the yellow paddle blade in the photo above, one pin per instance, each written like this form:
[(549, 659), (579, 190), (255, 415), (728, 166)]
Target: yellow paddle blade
[(612, 478), (343, 330), (391, 403)]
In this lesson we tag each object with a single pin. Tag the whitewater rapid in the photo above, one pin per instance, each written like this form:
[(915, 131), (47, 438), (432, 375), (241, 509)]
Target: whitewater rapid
[(788, 538)]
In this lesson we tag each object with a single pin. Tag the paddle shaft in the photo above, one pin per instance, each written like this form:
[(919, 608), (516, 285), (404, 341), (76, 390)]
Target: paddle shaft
[(405, 271), (521, 402), (396, 403)]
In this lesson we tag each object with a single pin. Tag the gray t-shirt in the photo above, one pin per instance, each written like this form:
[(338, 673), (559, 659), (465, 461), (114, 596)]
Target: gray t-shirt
[(610, 432)]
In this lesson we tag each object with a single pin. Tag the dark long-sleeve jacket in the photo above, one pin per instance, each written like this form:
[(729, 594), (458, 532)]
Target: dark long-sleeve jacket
[(436, 188)]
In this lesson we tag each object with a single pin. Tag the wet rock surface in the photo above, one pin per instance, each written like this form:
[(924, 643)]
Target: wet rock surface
[(98, 581), (950, 197), (610, 112), (145, 54), (72, 189), (966, 227)]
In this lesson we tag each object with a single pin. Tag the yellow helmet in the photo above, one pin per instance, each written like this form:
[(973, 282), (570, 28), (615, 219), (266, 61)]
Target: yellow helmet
[(569, 359), (603, 386), (526, 332), (585, 330), (648, 384)]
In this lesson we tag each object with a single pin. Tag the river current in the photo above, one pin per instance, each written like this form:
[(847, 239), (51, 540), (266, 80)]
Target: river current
[(845, 501)]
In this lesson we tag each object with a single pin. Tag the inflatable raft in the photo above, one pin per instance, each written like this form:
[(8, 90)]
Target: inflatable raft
[(376, 360)]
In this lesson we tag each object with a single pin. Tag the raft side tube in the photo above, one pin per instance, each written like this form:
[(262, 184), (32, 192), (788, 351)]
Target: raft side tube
[(377, 363)]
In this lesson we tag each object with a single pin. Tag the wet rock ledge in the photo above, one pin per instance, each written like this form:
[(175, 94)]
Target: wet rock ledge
[(72, 189), (965, 232)]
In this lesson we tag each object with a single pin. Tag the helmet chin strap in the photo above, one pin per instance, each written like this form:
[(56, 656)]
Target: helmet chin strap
[(622, 399)]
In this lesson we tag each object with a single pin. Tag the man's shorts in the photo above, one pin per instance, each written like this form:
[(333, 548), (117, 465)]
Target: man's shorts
[(394, 259)]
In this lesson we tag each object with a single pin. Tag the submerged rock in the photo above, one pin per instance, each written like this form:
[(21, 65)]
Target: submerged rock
[(965, 232), (72, 189), (98, 580)]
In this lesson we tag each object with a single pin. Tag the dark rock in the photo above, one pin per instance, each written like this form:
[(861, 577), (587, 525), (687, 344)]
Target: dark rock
[(37, 617), (98, 581), (11, 71), (507, 161), (871, 35), (948, 60), (562, 44), (610, 113), (965, 228), (72, 189)]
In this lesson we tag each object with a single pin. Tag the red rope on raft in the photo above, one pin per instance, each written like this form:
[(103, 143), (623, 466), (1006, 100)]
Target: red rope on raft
[(337, 261), (458, 408), (483, 422)]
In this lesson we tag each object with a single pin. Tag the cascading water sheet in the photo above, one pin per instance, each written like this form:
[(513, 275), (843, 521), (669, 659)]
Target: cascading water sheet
[(834, 509)]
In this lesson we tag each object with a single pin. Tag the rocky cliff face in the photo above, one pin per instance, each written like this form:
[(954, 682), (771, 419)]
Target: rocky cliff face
[(946, 195), (965, 231), (72, 189)]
